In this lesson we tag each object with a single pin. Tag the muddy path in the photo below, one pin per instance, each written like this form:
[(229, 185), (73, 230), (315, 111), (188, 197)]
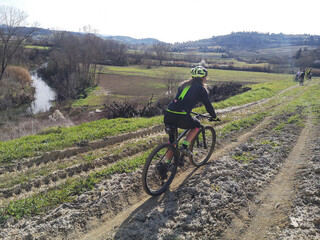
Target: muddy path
[(255, 179), (111, 225), (265, 217)]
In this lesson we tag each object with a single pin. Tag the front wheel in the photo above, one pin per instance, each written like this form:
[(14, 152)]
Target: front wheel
[(202, 145), (158, 171)]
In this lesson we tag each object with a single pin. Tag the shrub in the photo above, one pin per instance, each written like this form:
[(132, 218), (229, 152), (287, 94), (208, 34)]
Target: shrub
[(15, 87), (19, 74)]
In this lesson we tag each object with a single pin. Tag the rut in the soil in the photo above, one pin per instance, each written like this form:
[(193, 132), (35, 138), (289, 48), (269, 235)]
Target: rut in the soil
[(183, 201), (58, 177), (117, 196), (270, 210)]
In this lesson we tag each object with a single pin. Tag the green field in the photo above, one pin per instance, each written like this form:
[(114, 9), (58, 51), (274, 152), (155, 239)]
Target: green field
[(183, 73), (141, 84)]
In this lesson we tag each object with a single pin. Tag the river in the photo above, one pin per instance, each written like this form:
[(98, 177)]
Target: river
[(44, 97)]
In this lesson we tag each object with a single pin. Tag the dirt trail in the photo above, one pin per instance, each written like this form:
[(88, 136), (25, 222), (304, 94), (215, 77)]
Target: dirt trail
[(110, 225), (272, 207), (268, 211), (226, 199)]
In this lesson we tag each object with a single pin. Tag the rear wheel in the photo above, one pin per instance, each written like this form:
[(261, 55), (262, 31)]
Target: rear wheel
[(158, 173), (202, 145)]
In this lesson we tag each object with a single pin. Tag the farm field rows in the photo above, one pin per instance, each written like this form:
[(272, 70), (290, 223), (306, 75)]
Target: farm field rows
[(117, 82), (63, 184)]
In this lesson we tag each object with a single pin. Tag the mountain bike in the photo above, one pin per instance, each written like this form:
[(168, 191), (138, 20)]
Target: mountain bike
[(161, 165), (296, 78), (309, 76)]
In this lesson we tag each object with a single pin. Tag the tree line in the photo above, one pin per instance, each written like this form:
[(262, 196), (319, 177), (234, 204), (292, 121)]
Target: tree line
[(73, 60)]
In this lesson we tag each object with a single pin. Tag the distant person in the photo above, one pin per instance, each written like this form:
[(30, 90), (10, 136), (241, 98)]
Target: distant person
[(309, 74), (178, 113), (298, 73), (301, 77), (297, 76)]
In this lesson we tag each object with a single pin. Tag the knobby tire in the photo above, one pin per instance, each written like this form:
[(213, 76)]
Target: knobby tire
[(157, 175), (200, 154)]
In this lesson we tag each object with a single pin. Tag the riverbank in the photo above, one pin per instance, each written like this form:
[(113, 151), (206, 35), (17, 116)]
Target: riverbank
[(16, 88)]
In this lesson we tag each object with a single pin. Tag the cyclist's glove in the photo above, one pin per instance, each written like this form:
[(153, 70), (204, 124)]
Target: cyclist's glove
[(216, 119)]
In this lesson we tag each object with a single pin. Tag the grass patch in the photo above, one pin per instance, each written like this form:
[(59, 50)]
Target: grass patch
[(93, 97), (66, 137), (40, 203), (37, 47), (213, 74), (268, 142), (245, 157), (242, 124)]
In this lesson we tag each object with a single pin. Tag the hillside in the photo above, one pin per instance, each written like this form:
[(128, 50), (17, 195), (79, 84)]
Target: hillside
[(243, 40), (255, 40), (41, 34), (84, 182)]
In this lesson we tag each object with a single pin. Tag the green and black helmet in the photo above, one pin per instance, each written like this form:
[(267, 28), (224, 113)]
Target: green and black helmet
[(199, 71)]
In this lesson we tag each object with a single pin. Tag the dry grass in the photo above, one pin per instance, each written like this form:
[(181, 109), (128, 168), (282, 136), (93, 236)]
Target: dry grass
[(19, 74), (29, 126)]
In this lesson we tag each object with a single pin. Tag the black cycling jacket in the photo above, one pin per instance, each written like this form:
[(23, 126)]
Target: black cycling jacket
[(188, 97)]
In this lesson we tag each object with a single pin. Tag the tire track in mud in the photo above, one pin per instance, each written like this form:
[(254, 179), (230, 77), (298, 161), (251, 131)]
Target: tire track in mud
[(114, 199), (69, 152), (40, 184), (193, 209), (270, 210), (85, 168), (110, 226)]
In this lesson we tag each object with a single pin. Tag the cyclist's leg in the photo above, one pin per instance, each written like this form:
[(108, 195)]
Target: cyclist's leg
[(170, 153), (191, 134), (193, 124), (169, 121)]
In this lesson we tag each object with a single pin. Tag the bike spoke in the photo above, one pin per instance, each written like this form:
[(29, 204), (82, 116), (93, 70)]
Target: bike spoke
[(158, 174)]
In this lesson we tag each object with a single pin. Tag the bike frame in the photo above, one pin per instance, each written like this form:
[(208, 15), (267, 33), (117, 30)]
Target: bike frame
[(179, 137)]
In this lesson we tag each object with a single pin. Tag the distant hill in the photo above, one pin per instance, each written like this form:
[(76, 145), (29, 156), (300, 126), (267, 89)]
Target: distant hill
[(133, 41), (238, 40), (255, 40), (42, 33)]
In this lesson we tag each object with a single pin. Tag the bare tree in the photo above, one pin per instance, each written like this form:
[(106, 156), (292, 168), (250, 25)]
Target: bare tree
[(161, 49), (91, 53), (170, 80), (12, 34), (115, 51), (73, 61)]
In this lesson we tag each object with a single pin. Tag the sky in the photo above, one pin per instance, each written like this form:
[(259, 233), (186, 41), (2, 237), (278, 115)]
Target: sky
[(173, 20)]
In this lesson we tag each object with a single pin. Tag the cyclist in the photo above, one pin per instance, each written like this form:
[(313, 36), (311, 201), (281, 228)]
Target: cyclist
[(297, 77), (309, 74), (177, 114), (301, 77)]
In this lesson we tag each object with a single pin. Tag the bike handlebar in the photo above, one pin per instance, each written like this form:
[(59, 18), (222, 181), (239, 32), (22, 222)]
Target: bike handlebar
[(198, 115)]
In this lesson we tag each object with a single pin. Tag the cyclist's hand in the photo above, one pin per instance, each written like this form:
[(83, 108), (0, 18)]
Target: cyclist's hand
[(216, 119)]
